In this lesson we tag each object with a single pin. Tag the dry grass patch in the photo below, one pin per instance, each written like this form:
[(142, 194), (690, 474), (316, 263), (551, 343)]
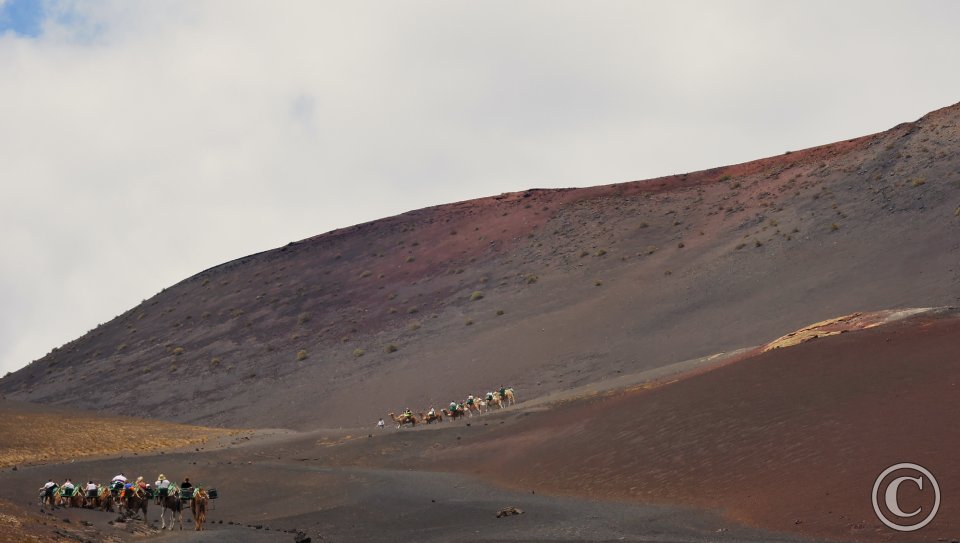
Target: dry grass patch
[(25, 435)]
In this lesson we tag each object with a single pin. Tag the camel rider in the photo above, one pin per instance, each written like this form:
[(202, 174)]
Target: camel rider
[(453, 407), (432, 412), (163, 486), (470, 400), (118, 482), (91, 489), (489, 396), (407, 414), (49, 488), (67, 487), (503, 392)]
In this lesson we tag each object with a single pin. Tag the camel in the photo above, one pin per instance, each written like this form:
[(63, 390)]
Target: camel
[(455, 414), (49, 497), (104, 500), (472, 406), (493, 399), (172, 503), (70, 497), (134, 500), (199, 508), (411, 420), (428, 418), (508, 397)]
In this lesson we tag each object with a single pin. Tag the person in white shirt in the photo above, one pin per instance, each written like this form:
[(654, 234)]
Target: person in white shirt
[(163, 487), (120, 478), (91, 489), (49, 488), (68, 485)]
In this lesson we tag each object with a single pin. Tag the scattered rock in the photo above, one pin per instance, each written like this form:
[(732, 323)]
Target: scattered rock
[(509, 511), (301, 537)]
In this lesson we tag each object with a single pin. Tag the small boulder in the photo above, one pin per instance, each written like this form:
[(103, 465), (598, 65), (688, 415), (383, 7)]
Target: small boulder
[(509, 511)]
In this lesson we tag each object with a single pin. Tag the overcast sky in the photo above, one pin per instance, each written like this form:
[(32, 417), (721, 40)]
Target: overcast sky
[(142, 142)]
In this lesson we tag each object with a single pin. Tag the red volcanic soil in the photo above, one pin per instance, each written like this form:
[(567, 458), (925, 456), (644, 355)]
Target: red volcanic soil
[(791, 440)]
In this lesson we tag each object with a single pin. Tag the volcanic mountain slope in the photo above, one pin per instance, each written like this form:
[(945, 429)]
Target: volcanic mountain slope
[(542, 290)]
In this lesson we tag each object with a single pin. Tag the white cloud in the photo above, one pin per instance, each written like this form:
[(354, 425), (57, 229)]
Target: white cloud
[(142, 142)]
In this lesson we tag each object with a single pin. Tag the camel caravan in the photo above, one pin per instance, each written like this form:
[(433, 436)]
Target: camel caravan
[(483, 403), (132, 499)]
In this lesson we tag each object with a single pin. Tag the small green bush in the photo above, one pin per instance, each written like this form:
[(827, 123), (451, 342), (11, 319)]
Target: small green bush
[(301, 355), (178, 351), (359, 352), (390, 348), (500, 312), (366, 273), (476, 295)]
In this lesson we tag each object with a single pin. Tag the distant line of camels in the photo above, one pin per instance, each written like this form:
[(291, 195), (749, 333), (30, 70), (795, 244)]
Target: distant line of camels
[(479, 404)]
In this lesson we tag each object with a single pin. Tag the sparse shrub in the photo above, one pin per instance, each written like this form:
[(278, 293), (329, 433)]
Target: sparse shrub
[(303, 318), (651, 249), (121, 347), (668, 272), (468, 322), (206, 282), (476, 295), (598, 283), (410, 259), (644, 225), (301, 355), (392, 310), (680, 245), (584, 253), (500, 312), (601, 252), (414, 326), (366, 273), (392, 295), (215, 361), (357, 353), (834, 227), (178, 351), (413, 309), (757, 243), (390, 348), (917, 181), (532, 278)]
